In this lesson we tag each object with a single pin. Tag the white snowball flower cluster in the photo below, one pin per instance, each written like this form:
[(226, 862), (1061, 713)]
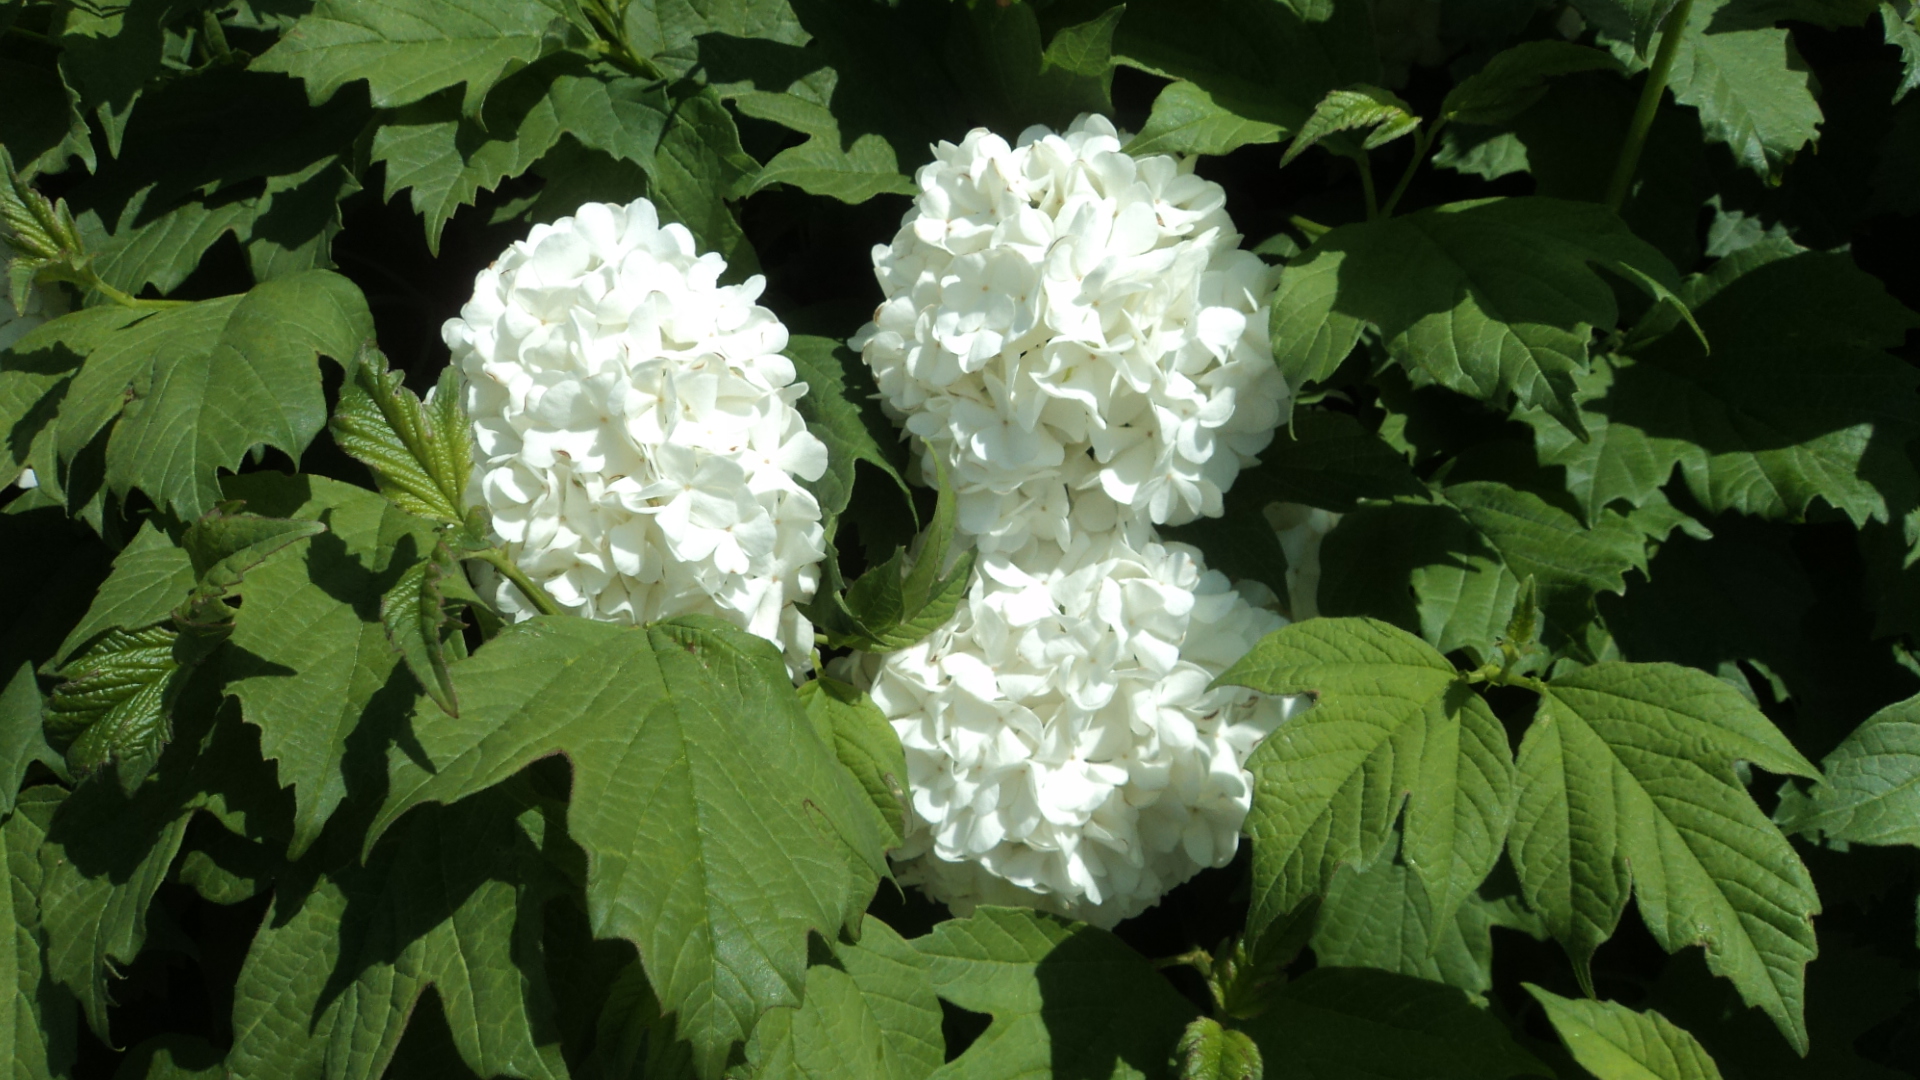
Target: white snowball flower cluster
[(1076, 332), (1063, 748), (42, 304), (635, 435), (1078, 338)]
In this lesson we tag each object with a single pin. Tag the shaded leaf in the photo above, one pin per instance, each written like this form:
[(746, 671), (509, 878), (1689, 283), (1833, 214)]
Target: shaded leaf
[(842, 410), (1066, 999), (1869, 787), (1516, 78), (871, 1014), (1186, 120), (1357, 1024), (865, 743), (36, 1024)]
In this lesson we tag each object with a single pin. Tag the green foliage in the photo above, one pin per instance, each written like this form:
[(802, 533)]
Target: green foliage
[(1609, 420)]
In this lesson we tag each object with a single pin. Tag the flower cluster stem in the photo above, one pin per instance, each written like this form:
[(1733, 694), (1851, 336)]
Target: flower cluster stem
[(1671, 32), (529, 588), (1422, 142)]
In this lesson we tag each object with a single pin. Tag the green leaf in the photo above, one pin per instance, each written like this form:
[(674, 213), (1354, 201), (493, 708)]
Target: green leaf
[(1356, 1024), (408, 49), (865, 743), (203, 384), (1615, 1043), (842, 409), (1451, 571), (309, 659), (1760, 426), (332, 976), (866, 167), (713, 817), (1627, 779), (150, 578), (1869, 787), (37, 1030), (1020, 83), (22, 738), (1391, 723), (107, 56), (895, 604), (1481, 152), (1516, 78), (1754, 92), (1186, 120), (421, 625), (870, 1014), (1207, 1051), (1488, 298), (1066, 999), (1904, 32), (698, 166), (1636, 21), (114, 701), (226, 543), (103, 858), (1227, 47), (1381, 917), (421, 454), (1380, 113)]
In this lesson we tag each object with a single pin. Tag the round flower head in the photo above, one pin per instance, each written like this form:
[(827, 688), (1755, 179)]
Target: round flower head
[(1076, 332), (42, 304), (634, 428), (1063, 748)]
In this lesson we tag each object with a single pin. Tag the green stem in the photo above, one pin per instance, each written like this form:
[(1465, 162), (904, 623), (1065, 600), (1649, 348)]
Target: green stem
[(1422, 142), (1671, 33), (32, 35), (128, 300), (1309, 228), (497, 559), (1366, 186)]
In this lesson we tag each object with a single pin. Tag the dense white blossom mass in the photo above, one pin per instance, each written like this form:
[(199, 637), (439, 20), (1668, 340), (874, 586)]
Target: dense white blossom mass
[(1063, 748), (1075, 332), (635, 436)]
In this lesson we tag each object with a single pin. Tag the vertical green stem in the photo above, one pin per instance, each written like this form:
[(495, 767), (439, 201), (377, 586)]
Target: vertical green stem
[(1422, 142), (1366, 185), (1670, 34)]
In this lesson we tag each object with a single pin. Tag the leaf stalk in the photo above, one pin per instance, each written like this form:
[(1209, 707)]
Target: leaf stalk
[(529, 588), (1671, 33)]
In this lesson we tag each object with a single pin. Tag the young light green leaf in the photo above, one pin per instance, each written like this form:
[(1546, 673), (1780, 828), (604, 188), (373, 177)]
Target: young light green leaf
[(1869, 788), (849, 721), (1187, 120), (1516, 78), (226, 543), (418, 621), (36, 1029), (1391, 723), (1615, 1043), (420, 454), (1207, 1051), (1489, 298), (1627, 780), (1754, 427), (114, 701), (1754, 92), (327, 989), (309, 659), (841, 409), (1380, 113), (407, 49), (1120, 1019), (1357, 1024), (714, 819), (871, 1014)]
